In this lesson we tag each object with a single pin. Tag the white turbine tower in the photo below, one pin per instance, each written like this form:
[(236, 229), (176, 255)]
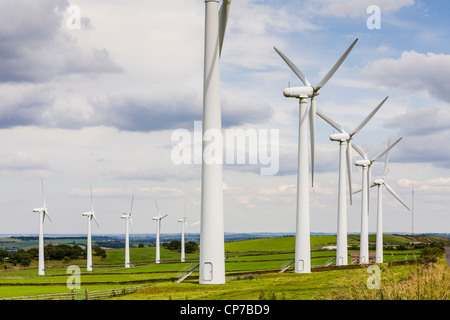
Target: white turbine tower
[(90, 215), (212, 245), (302, 242), (42, 214), (128, 222), (158, 230), (366, 166), (183, 224), (345, 156), (380, 182)]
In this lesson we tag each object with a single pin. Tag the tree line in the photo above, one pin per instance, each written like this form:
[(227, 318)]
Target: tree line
[(51, 252)]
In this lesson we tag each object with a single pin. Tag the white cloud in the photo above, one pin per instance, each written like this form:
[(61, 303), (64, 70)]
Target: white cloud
[(413, 72), (355, 8)]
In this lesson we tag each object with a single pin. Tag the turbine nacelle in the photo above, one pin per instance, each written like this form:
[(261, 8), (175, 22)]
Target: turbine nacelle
[(87, 214), (363, 163), (299, 92), (39, 210), (342, 136), (378, 181)]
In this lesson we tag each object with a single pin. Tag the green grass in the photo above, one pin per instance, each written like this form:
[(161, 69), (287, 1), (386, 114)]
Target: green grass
[(242, 256)]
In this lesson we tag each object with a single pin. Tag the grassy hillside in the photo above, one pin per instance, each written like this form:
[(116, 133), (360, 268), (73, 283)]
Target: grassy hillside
[(243, 257)]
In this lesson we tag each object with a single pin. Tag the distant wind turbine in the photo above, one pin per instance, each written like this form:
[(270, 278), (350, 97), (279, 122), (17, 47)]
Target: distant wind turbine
[(90, 215), (42, 214), (380, 182), (128, 221), (302, 239), (345, 156), (158, 230), (183, 224), (366, 165)]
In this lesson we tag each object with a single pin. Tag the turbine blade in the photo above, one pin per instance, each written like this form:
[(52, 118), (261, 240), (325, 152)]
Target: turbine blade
[(223, 19), (360, 151), (296, 70), (132, 229), (357, 191), (349, 169), (312, 133), (132, 199), (330, 121), (368, 118), (386, 162), (334, 68), (92, 202), (46, 215), (391, 191), (95, 219), (43, 192), (157, 207), (164, 216), (385, 151)]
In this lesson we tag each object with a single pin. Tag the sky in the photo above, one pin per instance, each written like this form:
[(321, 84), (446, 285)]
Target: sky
[(97, 103)]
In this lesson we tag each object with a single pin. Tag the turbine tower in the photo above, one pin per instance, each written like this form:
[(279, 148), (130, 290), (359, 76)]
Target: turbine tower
[(345, 155), (183, 224), (212, 246), (42, 214), (302, 240), (128, 221), (366, 165), (380, 182), (158, 228), (90, 215)]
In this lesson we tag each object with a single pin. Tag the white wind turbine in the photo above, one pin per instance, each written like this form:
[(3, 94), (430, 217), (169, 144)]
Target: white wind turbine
[(345, 156), (302, 242), (212, 242), (379, 183), (366, 166), (183, 224), (90, 215), (158, 230), (128, 221), (42, 214)]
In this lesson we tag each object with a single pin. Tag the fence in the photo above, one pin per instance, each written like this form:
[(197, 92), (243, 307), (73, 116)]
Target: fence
[(81, 294)]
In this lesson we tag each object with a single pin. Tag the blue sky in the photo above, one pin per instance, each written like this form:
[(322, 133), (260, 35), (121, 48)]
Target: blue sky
[(98, 106)]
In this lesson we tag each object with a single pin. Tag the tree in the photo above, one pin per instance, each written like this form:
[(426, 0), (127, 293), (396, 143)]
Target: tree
[(99, 252), (190, 247)]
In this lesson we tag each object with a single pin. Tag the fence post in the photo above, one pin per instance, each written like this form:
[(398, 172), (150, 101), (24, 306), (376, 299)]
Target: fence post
[(73, 294), (87, 294)]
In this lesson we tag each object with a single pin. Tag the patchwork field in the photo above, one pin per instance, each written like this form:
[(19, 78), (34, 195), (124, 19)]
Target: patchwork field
[(252, 268)]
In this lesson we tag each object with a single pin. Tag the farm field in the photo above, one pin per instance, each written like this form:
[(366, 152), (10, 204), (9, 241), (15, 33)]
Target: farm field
[(252, 268)]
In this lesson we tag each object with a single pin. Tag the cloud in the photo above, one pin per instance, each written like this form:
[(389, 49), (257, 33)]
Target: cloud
[(21, 163), (34, 46), (413, 72), (354, 8), (421, 122)]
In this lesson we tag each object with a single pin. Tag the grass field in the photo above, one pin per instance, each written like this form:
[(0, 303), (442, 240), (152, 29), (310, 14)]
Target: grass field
[(266, 256)]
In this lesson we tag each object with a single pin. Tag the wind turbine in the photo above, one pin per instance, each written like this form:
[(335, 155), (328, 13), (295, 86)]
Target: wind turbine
[(302, 242), (158, 228), (344, 140), (90, 215), (183, 224), (212, 242), (128, 221), (42, 214), (379, 183), (366, 165)]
